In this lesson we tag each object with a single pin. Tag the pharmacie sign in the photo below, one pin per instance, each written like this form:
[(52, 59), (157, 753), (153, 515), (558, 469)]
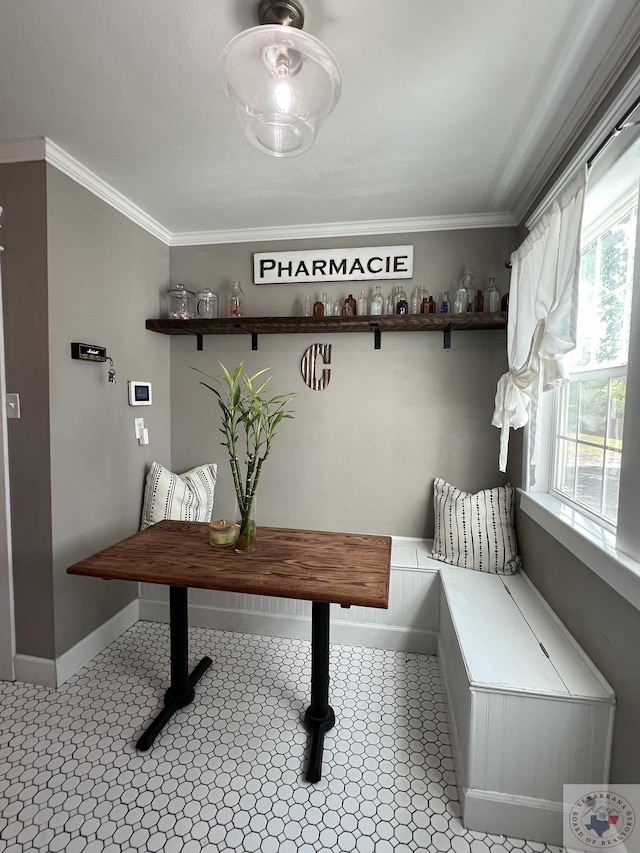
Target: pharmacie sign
[(365, 263)]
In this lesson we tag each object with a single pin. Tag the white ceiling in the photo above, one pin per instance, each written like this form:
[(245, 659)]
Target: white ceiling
[(449, 109)]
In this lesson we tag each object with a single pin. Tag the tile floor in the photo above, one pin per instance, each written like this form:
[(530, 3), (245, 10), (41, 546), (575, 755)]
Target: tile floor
[(227, 774)]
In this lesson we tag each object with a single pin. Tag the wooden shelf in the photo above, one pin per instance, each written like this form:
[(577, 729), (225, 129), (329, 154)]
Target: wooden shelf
[(255, 326)]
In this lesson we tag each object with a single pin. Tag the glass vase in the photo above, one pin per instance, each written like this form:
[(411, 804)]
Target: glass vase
[(246, 522)]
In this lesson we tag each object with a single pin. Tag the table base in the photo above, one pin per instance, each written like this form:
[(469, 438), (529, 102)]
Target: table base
[(319, 717), (172, 703), (182, 689)]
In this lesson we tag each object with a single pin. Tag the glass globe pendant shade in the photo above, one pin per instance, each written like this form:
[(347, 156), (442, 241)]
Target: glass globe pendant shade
[(283, 84)]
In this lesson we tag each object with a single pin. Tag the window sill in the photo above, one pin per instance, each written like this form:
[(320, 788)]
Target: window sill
[(591, 544)]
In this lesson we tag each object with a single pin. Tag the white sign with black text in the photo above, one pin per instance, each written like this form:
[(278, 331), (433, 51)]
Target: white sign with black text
[(364, 263)]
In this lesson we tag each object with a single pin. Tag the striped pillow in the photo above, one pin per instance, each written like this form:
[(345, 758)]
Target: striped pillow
[(475, 531), (181, 497)]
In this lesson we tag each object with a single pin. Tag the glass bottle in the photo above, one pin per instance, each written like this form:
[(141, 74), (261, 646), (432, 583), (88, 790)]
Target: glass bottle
[(377, 302), (390, 305), (478, 302), (416, 300), (466, 283), (402, 305), (363, 304), (462, 299), (350, 305), (504, 304), (318, 308), (444, 307), (337, 308), (308, 306), (432, 305), (492, 296), (424, 303), (328, 305), (236, 300)]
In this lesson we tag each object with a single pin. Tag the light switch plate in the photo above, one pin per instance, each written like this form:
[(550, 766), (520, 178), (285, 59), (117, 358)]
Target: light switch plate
[(13, 405)]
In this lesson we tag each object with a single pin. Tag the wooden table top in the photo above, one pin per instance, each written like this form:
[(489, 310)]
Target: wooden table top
[(315, 565)]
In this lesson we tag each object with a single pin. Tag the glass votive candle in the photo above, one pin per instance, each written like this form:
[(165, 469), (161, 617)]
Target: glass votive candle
[(223, 532)]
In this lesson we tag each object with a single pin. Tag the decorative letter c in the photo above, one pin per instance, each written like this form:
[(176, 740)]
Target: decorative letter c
[(308, 366)]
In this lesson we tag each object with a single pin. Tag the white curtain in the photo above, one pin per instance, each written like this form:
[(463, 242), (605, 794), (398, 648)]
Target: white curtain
[(543, 307)]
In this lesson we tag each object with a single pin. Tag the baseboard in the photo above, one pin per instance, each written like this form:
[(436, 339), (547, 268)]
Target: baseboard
[(76, 657), (53, 673), (391, 637), (519, 817), (33, 670)]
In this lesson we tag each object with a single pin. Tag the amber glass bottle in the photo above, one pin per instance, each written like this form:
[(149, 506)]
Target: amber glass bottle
[(350, 303), (478, 302)]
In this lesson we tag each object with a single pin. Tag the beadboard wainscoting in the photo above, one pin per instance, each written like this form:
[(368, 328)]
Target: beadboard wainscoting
[(410, 624)]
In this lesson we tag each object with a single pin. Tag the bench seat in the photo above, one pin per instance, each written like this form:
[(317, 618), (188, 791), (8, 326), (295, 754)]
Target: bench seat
[(529, 712)]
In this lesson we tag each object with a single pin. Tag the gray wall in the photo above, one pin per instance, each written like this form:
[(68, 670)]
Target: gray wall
[(75, 270), (105, 276), (604, 624), (24, 291), (362, 454)]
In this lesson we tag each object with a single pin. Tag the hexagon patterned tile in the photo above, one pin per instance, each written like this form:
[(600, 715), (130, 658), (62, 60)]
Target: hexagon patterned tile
[(227, 774)]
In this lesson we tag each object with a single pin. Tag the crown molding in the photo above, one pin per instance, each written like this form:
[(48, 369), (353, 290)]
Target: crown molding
[(41, 148), (23, 150), (59, 158), (456, 222), (622, 58)]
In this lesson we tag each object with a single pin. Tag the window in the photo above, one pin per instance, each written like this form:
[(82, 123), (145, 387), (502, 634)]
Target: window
[(586, 436), (590, 411), (586, 494)]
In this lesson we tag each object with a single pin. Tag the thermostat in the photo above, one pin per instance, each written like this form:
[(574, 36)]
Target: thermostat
[(139, 393)]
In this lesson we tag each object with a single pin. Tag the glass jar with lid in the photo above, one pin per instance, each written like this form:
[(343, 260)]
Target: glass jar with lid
[(181, 303), (206, 304)]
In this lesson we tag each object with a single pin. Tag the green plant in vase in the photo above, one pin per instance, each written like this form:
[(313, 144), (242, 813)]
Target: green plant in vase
[(249, 423)]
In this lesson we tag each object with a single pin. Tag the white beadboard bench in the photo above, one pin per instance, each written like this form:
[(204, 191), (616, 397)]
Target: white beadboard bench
[(529, 712), (523, 720)]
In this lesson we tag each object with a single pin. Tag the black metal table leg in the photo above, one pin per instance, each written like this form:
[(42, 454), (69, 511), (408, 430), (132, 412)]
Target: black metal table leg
[(319, 717), (181, 691)]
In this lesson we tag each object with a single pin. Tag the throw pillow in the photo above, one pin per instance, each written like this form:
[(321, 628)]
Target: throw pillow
[(181, 497), (475, 531)]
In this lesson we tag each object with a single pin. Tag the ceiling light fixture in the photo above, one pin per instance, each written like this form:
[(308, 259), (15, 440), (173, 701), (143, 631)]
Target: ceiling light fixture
[(282, 81)]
